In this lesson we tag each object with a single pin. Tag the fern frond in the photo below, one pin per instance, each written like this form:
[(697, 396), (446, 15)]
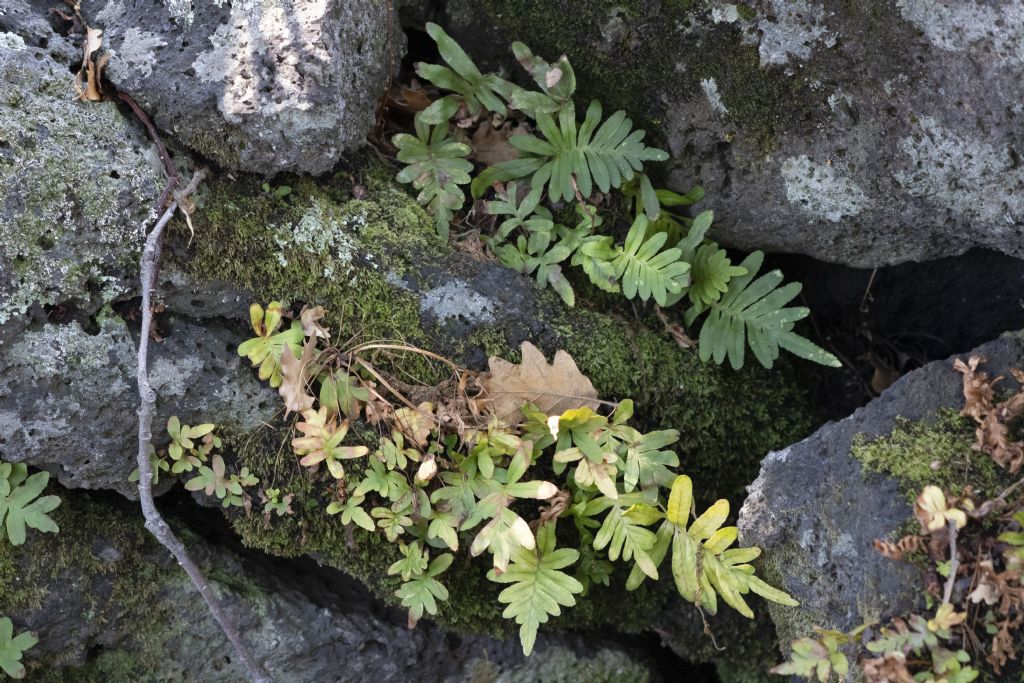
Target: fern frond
[(526, 215), (663, 220), (703, 564), (436, 166), (606, 156), (479, 92), (710, 272), (755, 312), (539, 589), (557, 83), (644, 270)]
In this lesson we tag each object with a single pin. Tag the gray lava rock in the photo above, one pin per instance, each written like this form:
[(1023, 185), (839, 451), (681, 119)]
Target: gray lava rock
[(816, 512), (68, 395), (109, 604), (257, 86), (866, 133), (76, 190)]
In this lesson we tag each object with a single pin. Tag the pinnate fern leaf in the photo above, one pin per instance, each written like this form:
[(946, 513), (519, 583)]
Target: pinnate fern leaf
[(645, 270), (422, 591), (436, 165), (12, 647), (539, 588), (556, 81), (710, 272), (21, 505), (605, 155), (703, 564), (478, 91), (754, 311), (623, 530)]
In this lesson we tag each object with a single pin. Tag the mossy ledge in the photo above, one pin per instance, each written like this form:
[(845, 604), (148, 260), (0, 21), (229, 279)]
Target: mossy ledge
[(102, 567), (378, 268), (111, 606), (932, 452)]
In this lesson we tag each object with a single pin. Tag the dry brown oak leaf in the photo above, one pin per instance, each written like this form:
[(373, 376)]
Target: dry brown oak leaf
[(554, 388)]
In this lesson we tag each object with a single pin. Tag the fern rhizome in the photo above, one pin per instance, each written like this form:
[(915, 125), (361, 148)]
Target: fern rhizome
[(553, 158)]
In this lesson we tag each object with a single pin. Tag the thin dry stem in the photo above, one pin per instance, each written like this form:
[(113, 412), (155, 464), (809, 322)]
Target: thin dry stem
[(954, 563), (155, 523)]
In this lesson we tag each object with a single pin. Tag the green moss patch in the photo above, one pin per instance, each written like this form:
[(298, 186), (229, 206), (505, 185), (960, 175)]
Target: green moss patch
[(935, 452), (110, 550)]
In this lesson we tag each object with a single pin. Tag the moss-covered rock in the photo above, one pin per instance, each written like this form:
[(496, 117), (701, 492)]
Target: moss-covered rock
[(937, 452), (814, 125), (380, 271), (111, 606), (378, 268), (76, 189), (818, 506)]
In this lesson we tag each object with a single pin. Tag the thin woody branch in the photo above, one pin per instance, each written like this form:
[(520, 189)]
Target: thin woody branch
[(155, 523)]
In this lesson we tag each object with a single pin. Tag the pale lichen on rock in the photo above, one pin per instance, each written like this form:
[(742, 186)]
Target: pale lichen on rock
[(76, 189), (956, 173), (821, 190)]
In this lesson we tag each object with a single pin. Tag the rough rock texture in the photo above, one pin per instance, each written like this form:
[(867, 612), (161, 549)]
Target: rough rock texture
[(258, 86), (27, 23), (859, 133), (61, 382), (76, 188), (815, 510), (109, 604)]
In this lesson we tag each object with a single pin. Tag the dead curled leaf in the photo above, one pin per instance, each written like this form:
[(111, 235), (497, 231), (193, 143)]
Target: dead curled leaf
[(295, 378), (553, 388), (311, 327), (91, 71), (891, 667), (993, 419), (416, 423), (490, 144), (987, 588), (901, 548)]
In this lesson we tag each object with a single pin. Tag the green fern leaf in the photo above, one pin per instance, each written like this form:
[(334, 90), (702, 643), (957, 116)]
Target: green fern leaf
[(624, 531), (754, 310), (539, 589), (21, 505), (12, 648), (644, 270), (422, 592), (702, 563), (596, 256), (647, 466), (264, 350), (527, 215), (479, 92), (557, 81), (436, 166), (710, 267), (606, 156), (710, 272)]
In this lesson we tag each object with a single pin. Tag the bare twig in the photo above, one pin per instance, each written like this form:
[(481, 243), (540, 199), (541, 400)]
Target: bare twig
[(155, 523), (954, 563), (169, 168), (675, 330), (997, 504)]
